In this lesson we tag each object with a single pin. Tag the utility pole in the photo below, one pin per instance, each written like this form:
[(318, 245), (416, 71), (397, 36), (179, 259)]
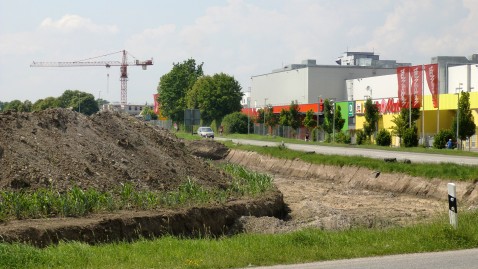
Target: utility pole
[(318, 115), (264, 112), (458, 90), (333, 119)]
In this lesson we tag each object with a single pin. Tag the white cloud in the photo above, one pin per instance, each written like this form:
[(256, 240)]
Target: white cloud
[(415, 31), (72, 23)]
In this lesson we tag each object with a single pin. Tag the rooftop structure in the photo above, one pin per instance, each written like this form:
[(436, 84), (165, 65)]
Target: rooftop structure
[(366, 59)]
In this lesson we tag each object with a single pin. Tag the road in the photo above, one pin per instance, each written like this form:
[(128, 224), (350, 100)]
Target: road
[(460, 259), (372, 153)]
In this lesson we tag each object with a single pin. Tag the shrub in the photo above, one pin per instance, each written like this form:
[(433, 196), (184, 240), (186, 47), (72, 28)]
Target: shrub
[(343, 138), (440, 139), (384, 138), (410, 137), (361, 137), (235, 123)]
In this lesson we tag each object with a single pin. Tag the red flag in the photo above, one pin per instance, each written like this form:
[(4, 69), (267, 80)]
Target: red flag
[(431, 73), (403, 83), (416, 87)]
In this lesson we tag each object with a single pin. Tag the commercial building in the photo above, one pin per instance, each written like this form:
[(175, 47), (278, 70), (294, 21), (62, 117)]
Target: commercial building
[(360, 76)]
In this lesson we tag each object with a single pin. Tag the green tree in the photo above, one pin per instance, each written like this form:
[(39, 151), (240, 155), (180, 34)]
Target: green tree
[(294, 120), (466, 125), (18, 106), (284, 117), (309, 121), (215, 97), (271, 118), (42, 104), (2, 105), (402, 121), (235, 122), (82, 102), (410, 137), (328, 116), (339, 122), (405, 114), (148, 113), (384, 138), (400, 126), (371, 118), (101, 102), (440, 139), (174, 86)]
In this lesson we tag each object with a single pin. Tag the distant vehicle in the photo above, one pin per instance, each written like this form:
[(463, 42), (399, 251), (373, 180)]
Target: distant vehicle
[(206, 132)]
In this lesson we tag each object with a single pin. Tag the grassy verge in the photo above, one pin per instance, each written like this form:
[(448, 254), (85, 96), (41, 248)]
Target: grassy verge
[(76, 202), (449, 171), (402, 149), (245, 250)]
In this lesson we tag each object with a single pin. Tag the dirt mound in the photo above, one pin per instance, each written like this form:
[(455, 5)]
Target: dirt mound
[(60, 148), (208, 149)]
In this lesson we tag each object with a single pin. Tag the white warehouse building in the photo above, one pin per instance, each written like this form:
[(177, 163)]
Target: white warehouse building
[(306, 82)]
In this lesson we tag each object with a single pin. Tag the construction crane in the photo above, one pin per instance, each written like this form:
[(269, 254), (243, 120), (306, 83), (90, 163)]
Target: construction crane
[(87, 62)]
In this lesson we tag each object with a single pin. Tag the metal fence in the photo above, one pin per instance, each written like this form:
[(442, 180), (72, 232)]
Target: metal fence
[(288, 132), (166, 124)]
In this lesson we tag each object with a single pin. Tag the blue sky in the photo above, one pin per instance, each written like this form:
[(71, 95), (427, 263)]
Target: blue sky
[(241, 38)]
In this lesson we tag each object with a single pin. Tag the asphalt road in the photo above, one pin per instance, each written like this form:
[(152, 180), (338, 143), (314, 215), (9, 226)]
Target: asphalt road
[(372, 153), (460, 259)]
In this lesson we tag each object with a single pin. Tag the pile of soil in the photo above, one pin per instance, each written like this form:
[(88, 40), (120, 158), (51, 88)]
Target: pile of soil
[(61, 148)]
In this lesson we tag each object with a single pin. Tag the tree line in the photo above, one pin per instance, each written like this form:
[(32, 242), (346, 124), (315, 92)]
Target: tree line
[(76, 100)]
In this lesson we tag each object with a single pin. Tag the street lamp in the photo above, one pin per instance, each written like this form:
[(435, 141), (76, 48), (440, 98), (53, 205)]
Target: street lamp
[(458, 90), (264, 114), (318, 111), (248, 101), (369, 89), (333, 119)]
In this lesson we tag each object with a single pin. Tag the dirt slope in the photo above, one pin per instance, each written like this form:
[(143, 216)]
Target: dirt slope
[(329, 197), (60, 148)]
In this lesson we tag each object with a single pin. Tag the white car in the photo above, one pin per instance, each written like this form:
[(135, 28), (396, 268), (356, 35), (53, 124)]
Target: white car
[(206, 132)]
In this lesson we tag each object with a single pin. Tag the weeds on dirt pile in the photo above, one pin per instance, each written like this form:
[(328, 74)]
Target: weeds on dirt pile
[(75, 202), (249, 250)]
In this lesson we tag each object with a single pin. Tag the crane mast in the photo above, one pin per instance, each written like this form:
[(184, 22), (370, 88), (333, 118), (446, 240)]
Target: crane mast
[(123, 68)]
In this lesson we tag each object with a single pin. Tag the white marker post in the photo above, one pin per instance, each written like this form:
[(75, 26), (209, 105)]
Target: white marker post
[(452, 205)]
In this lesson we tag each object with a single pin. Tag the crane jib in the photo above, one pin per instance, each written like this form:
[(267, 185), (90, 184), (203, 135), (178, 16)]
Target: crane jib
[(123, 67)]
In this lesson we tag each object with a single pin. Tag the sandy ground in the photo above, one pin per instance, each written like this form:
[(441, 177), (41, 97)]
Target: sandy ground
[(330, 203)]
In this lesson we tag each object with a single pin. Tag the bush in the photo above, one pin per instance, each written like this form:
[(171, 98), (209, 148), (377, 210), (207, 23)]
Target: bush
[(410, 137), (361, 137), (235, 123), (384, 138), (440, 139), (343, 138)]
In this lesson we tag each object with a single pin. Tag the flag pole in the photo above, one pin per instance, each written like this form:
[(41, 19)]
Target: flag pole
[(409, 104), (438, 101), (423, 108)]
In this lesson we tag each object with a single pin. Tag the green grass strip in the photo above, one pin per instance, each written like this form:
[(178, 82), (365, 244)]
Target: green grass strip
[(446, 171), (244, 250)]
